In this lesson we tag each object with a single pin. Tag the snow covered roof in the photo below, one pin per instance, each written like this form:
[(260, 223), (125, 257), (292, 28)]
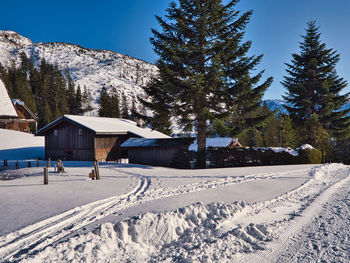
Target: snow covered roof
[(103, 125), (161, 142), (6, 107), (306, 146), (279, 150)]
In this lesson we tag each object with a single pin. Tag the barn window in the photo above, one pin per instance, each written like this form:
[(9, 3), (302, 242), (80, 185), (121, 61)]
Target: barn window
[(55, 132), (80, 131)]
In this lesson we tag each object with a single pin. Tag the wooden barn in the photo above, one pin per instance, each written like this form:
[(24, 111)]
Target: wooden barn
[(88, 138), (14, 115), (157, 152)]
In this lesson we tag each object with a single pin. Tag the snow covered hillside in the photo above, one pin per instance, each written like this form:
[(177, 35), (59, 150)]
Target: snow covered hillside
[(93, 69)]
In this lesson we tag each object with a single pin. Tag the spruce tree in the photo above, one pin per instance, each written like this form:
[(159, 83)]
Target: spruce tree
[(114, 101), (313, 90), (87, 98), (78, 101), (104, 103), (124, 108), (134, 114), (160, 105), (72, 107), (204, 67)]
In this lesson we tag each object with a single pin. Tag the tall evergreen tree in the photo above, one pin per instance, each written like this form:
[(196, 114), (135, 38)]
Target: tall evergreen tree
[(114, 101), (134, 113), (87, 99), (79, 101), (104, 103), (313, 90), (124, 108), (205, 69), (160, 104), (72, 107)]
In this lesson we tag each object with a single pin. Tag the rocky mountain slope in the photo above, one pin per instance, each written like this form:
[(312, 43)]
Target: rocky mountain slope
[(93, 69)]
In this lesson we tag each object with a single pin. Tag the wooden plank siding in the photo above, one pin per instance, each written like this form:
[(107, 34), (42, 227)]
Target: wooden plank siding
[(107, 147), (158, 156), (68, 144)]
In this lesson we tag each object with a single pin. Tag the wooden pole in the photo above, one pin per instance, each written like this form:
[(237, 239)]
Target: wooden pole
[(17, 165), (97, 171), (29, 164), (46, 175)]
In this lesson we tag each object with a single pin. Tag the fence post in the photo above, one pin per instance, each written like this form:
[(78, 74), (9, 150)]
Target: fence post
[(17, 165), (97, 171), (37, 162), (46, 175), (29, 164)]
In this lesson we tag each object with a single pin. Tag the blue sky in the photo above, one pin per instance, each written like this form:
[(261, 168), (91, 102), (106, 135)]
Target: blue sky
[(125, 26)]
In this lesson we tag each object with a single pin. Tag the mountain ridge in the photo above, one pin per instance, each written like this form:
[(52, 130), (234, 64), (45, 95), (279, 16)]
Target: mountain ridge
[(90, 68)]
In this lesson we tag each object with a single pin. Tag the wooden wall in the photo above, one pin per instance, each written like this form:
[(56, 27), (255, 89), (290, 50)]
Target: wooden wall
[(107, 147), (157, 156), (16, 125), (68, 144)]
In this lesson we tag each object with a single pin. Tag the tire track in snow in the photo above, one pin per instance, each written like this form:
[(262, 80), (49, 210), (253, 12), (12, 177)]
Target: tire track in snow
[(275, 248), (39, 235), (34, 238)]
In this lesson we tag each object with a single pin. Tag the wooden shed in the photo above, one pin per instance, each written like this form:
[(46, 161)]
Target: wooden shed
[(156, 152), (88, 138)]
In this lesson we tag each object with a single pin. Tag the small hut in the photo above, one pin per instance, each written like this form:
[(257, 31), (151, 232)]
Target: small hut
[(156, 152)]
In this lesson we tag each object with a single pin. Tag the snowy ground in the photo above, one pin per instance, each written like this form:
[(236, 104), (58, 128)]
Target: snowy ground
[(140, 213), (295, 213)]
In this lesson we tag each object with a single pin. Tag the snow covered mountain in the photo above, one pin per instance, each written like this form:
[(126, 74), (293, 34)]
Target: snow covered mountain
[(91, 68), (276, 105)]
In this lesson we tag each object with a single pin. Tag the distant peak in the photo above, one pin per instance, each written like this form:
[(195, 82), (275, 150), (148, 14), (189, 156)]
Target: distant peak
[(14, 38)]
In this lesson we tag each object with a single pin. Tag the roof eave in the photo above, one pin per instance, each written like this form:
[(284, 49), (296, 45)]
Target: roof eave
[(110, 133)]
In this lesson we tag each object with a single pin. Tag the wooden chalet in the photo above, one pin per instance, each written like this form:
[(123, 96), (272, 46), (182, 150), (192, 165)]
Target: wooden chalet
[(88, 138), (14, 115), (156, 152)]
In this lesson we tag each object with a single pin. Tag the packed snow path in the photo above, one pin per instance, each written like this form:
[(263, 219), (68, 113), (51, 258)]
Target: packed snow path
[(327, 237), (245, 227)]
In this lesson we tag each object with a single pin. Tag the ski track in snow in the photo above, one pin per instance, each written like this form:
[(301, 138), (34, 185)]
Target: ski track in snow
[(327, 237), (300, 219), (31, 240), (36, 237)]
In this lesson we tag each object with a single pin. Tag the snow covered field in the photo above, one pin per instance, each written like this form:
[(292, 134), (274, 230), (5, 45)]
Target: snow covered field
[(140, 213), (135, 213)]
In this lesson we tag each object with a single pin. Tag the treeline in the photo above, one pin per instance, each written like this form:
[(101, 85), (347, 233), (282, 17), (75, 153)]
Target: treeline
[(45, 89), (111, 106)]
